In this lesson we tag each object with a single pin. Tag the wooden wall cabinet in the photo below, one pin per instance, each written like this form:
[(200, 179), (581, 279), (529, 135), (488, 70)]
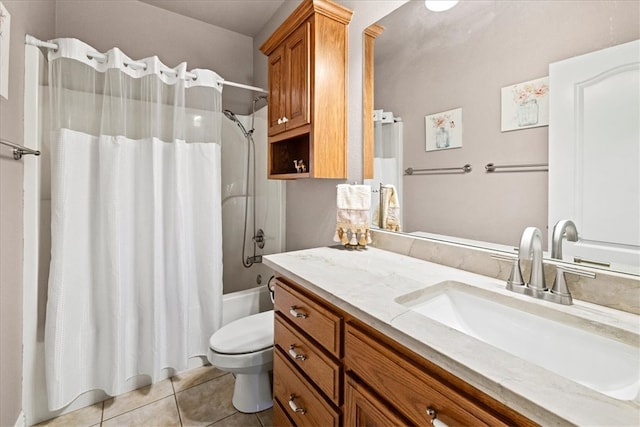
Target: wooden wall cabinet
[(330, 369), (308, 57)]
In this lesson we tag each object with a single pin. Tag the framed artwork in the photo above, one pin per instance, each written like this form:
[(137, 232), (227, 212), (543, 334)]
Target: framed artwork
[(525, 105), (444, 130)]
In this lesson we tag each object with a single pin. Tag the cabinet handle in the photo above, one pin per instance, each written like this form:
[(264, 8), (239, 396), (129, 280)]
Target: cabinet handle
[(292, 353), (280, 121), (294, 407), (295, 313), (434, 421), (285, 120)]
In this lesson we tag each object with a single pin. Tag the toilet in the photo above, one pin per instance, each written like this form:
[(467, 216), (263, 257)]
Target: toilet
[(245, 348)]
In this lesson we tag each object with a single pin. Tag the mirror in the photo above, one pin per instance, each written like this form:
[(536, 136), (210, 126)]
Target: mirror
[(426, 63)]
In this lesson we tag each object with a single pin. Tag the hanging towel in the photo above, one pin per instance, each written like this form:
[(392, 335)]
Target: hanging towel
[(353, 203), (390, 208)]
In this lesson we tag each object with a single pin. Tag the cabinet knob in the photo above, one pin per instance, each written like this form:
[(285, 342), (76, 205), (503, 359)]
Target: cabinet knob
[(295, 407), (285, 120), (292, 353), (295, 313), (434, 418), (279, 121)]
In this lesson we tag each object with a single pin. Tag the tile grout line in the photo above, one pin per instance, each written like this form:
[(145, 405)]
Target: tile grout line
[(175, 399)]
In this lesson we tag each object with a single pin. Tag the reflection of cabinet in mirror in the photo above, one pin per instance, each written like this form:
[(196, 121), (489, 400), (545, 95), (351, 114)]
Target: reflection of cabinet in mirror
[(594, 154), (370, 34), (308, 92)]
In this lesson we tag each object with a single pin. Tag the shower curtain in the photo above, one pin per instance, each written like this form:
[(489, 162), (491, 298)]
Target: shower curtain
[(135, 285)]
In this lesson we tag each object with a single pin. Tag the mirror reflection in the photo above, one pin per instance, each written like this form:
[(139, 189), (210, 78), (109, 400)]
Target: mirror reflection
[(460, 60)]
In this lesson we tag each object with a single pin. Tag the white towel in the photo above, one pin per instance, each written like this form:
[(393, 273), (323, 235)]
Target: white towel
[(353, 203)]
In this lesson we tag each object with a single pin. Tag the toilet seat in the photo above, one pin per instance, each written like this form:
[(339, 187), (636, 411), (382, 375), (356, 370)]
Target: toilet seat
[(246, 335)]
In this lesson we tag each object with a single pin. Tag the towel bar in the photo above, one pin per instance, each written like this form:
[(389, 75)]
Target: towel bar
[(19, 150), (432, 171)]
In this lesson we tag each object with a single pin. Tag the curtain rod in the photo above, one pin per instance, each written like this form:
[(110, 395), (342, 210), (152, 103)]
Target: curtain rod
[(30, 40)]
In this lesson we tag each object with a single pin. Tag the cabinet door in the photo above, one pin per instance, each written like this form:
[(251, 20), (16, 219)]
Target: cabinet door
[(297, 94), (364, 409), (277, 74)]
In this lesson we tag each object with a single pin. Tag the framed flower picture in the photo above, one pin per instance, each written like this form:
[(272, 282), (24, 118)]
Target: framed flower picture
[(444, 130), (525, 105)]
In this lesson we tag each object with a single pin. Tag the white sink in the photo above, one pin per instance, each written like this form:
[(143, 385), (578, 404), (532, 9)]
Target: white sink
[(549, 338)]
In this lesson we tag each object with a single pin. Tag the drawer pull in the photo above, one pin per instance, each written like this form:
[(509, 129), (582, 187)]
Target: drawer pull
[(434, 421), (295, 313), (292, 353), (294, 407)]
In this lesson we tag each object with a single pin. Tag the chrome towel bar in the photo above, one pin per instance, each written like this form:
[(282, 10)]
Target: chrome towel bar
[(533, 167), (432, 171), (19, 150)]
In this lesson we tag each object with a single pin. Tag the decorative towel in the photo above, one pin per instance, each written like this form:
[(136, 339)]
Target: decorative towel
[(390, 209), (352, 219)]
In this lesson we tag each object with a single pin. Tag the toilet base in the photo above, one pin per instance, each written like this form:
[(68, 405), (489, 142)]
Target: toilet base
[(252, 392)]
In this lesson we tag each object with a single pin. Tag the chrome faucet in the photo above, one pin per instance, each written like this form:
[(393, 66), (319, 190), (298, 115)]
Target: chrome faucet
[(564, 227), (531, 249)]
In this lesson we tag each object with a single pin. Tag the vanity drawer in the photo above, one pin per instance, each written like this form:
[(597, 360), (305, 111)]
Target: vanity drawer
[(410, 388), (280, 418), (320, 368), (292, 391), (318, 322)]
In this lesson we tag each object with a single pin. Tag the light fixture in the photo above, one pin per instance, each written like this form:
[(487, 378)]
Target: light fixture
[(439, 5)]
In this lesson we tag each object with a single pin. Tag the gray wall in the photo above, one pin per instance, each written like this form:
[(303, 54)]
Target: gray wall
[(36, 18), (462, 58), (142, 30), (311, 203)]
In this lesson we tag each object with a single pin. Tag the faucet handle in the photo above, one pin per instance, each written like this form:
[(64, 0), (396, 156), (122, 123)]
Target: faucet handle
[(515, 277), (560, 288)]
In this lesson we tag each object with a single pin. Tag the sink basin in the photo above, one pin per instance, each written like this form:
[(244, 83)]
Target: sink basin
[(549, 338)]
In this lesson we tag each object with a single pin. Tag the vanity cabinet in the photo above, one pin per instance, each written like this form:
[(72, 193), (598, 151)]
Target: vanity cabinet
[(402, 385), (307, 368), (307, 69), (332, 369)]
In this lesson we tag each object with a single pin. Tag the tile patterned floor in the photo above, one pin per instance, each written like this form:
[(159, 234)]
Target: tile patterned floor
[(199, 397)]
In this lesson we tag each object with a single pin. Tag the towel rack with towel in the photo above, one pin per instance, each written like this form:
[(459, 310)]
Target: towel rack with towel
[(19, 150), (532, 167), (432, 171)]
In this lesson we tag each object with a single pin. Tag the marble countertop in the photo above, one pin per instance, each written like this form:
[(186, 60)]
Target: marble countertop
[(365, 284)]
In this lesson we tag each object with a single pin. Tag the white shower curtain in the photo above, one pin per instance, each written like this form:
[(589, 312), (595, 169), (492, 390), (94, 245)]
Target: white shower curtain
[(135, 285)]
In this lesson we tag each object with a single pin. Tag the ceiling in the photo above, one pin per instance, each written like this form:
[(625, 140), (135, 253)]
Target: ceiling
[(246, 17)]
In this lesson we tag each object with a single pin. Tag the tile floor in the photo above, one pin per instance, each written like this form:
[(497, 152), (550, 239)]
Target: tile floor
[(198, 397)]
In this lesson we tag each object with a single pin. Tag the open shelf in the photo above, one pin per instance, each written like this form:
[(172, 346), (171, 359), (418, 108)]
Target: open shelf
[(282, 155)]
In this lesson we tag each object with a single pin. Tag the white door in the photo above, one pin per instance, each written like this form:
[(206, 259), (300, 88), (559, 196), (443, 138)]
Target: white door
[(594, 154)]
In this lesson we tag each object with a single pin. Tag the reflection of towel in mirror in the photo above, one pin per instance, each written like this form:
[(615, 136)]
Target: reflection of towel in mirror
[(390, 209), (352, 218)]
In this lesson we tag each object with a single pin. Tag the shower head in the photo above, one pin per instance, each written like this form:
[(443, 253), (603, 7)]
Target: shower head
[(229, 114), (255, 101)]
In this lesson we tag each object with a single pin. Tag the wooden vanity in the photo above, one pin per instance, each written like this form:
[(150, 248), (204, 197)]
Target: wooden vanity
[(331, 369), (348, 351)]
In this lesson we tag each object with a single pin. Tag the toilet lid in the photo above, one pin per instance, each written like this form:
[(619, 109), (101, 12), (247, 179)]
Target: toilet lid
[(245, 335)]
